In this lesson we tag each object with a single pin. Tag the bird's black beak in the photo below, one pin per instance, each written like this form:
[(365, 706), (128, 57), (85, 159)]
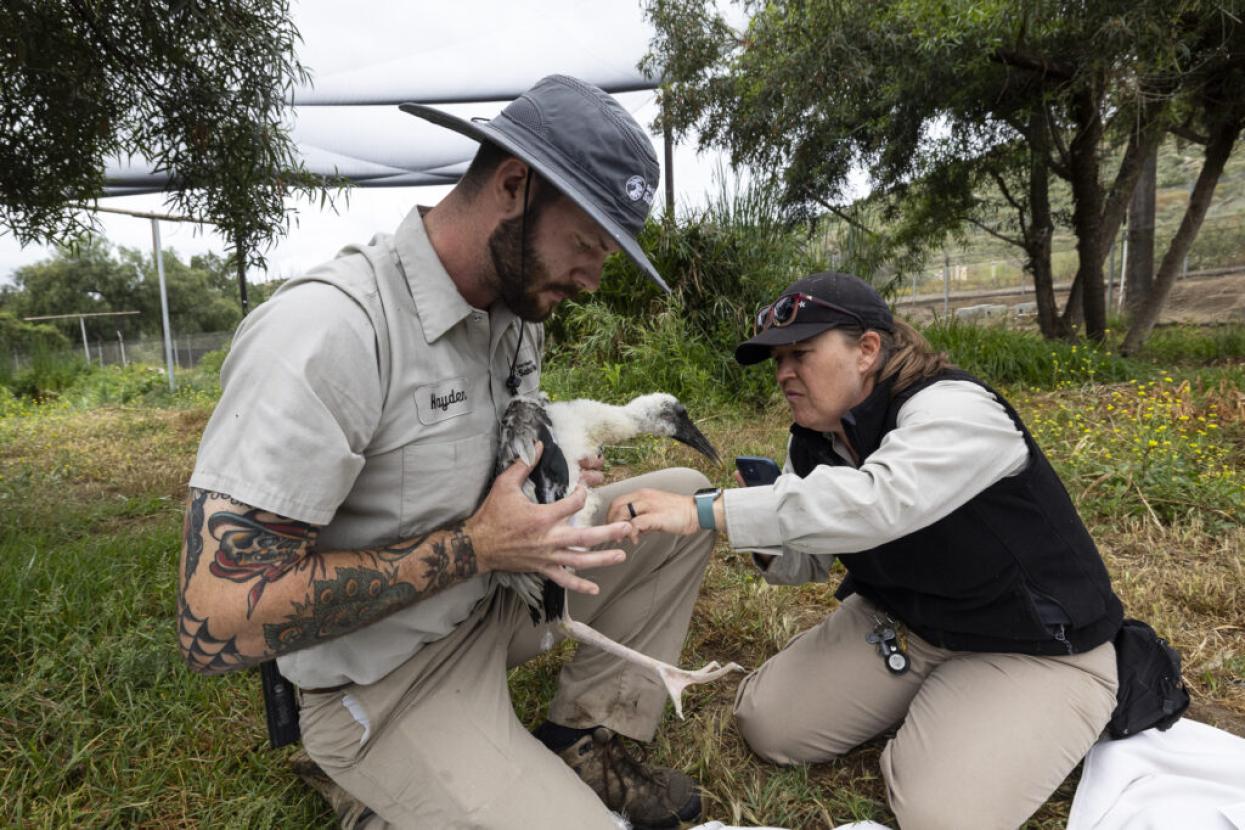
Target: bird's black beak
[(685, 432)]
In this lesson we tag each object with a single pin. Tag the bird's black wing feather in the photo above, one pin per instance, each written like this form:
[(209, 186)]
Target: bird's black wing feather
[(525, 422), (551, 475)]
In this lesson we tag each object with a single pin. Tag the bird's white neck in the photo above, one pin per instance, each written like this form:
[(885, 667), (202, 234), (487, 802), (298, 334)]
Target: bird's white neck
[(583, 426)]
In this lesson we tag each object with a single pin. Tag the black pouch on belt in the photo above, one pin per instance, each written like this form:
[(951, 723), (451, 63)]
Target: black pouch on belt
[(1151, 692), (279, 705)]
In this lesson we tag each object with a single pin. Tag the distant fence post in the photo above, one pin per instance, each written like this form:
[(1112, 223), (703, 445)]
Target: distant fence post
[(164, 304), (86, 349)]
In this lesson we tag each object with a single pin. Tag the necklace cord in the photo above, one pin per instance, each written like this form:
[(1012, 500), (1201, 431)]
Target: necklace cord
[(512, 380)]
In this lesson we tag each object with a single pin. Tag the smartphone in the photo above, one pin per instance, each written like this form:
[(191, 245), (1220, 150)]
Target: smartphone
[(757, 470)]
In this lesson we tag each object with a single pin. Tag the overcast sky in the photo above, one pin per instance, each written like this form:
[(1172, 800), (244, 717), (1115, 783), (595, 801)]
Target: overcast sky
[(339, 36)]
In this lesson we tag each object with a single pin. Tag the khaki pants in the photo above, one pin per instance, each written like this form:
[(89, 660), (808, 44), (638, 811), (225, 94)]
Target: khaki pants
[(436, 743), (985, 737)]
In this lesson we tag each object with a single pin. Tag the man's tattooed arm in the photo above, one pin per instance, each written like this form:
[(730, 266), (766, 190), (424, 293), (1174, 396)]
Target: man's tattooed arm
[(263, 589)]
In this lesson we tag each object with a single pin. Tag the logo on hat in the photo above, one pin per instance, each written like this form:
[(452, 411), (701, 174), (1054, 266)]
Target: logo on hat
[(635, 188), (638, 189)]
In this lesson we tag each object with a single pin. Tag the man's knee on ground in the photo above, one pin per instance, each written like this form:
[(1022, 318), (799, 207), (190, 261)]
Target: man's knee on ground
[(685, 480)]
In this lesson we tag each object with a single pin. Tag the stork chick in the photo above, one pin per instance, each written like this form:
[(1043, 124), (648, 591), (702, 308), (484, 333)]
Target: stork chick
[(569, 431)]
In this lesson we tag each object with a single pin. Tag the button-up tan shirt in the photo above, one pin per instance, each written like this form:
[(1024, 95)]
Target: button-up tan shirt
[(365, 397)]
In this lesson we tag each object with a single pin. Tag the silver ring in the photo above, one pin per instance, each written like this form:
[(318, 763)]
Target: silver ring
[(631, 509)]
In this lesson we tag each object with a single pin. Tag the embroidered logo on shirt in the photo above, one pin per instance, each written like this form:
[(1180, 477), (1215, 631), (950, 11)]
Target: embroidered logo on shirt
[(442, 400), (525, 368)]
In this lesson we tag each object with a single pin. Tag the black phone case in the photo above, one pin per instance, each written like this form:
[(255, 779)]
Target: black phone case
[(757, 470)]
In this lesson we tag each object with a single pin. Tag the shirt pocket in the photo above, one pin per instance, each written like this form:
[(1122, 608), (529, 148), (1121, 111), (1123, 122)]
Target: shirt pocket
[(444, 481)]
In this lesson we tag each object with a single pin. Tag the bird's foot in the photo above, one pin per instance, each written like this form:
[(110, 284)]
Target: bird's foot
[(672, 677), (676, 679)]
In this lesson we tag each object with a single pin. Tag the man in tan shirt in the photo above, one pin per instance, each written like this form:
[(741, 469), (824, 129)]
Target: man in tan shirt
[(342, 519)]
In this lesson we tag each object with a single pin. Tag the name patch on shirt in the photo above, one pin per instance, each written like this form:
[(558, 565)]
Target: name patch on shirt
[(442, 400)]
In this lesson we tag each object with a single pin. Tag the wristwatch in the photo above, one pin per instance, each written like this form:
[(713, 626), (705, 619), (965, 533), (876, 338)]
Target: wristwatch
[(704, 506)]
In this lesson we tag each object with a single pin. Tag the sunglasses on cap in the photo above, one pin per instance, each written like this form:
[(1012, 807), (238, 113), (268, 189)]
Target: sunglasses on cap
[(784, 310)]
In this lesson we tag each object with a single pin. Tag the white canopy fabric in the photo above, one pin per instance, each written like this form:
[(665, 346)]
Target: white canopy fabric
[(370, 56)]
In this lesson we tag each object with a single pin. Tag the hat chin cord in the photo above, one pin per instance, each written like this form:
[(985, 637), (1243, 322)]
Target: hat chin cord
[(512, 380)]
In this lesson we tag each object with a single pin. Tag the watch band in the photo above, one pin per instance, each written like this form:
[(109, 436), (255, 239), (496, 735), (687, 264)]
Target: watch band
[(704, 506)]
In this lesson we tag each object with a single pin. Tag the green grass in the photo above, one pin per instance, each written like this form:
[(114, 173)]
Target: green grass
[(102, 726), (1173, 345)]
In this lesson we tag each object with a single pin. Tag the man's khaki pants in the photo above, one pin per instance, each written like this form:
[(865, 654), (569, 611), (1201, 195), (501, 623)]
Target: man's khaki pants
[(986, 737), (436, 743)]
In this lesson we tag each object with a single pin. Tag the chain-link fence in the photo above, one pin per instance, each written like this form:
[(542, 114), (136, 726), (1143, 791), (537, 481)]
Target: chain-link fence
[(987, 263), (188, 350)]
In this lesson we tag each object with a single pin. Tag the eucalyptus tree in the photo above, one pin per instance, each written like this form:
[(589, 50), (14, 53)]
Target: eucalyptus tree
[(935, 98), (197, 88)]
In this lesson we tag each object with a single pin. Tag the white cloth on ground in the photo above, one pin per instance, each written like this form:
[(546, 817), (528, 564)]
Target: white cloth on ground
[(1191, 776)]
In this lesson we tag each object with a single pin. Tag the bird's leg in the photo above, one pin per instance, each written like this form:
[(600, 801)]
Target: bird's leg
[(673, 678)]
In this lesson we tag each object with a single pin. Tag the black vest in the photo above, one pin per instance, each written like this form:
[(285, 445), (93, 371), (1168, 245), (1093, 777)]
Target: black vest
[(1012, 570)]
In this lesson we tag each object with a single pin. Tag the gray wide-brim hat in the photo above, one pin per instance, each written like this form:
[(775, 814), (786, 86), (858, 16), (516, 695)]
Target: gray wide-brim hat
[(582, 141)]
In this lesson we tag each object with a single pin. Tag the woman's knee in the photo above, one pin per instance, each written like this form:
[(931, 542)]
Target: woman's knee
[(925, 796), (762, 733), (771, 732)]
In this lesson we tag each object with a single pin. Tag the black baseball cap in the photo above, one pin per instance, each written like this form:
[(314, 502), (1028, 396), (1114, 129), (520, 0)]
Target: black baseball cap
[(855, 303), (584, 143)]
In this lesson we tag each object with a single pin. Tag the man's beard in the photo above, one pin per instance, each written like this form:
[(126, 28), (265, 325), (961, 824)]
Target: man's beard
[(518, 290)]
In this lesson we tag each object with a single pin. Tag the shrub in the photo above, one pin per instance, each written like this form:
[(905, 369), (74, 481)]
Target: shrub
[(49, 373), (116, 385), (722, 262), (1006, 357)]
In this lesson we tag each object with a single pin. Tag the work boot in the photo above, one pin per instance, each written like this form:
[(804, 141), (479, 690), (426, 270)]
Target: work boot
[(651, 798), (351, 813)]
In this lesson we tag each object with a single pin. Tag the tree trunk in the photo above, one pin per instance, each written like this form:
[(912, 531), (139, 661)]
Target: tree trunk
[(1098, 214), (1140, 268), (1087, 198), (1217, 151), (1041, 227), (1073, 313)]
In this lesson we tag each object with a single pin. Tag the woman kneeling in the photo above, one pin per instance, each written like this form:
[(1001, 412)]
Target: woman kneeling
[(977, 615)]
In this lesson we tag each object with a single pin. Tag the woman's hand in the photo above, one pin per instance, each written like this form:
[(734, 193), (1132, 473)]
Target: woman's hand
[(656, 510)]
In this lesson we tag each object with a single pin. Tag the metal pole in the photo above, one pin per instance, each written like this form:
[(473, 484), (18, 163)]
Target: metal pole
[(164, 304), (86, 350), (946, 286), (1110, 271), (669, 134), (121, 343), (1123, 272)]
